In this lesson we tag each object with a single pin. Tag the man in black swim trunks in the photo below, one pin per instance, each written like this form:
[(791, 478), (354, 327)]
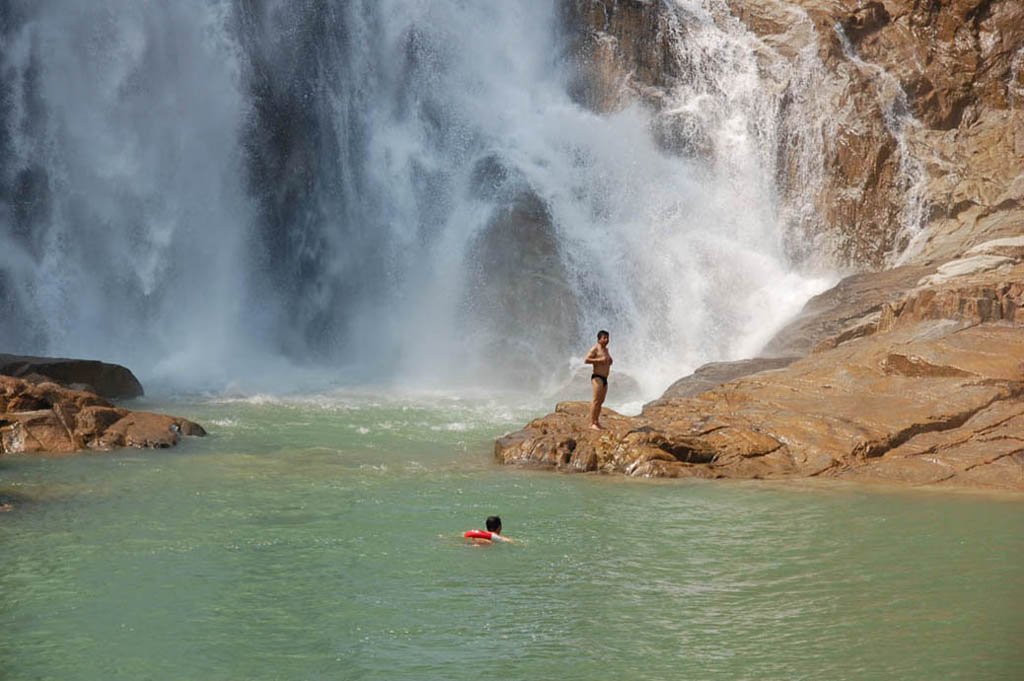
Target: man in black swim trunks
[(602, 362)]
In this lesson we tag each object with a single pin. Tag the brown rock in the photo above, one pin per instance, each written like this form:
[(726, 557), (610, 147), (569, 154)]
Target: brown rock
[(95, 420), (144, 429), (987, 297), (39, 431), (46, 418), (849, 310), (618, 48), (715, 374), (935, 397), (27, 402)]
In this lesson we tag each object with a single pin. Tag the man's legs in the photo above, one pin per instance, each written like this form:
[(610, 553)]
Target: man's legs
[(600, 390)]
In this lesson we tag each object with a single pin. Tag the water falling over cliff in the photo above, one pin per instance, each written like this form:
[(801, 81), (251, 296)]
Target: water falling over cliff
[(390, 190)]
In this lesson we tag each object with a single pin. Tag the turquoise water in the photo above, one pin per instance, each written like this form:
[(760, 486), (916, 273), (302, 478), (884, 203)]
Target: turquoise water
[(318, 538)]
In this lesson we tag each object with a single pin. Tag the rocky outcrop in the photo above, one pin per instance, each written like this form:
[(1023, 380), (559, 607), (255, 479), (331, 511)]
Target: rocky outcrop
[(899, 144), (848, 310), (107, 380), (931, 391), (42, 417)]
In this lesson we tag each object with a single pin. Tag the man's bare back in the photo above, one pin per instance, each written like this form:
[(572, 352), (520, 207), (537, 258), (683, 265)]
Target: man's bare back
[(601, 360)]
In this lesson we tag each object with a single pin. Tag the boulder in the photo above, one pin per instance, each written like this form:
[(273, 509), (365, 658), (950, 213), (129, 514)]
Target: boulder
[(147, 430), (37, 431), (107, 380), (46, 418)]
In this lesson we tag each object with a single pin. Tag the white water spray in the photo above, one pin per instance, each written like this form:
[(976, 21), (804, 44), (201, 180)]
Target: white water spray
[(1014, 87), (230, 189), (125, 244)]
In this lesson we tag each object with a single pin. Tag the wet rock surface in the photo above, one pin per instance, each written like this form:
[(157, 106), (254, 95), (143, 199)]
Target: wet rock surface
[(38, 416)]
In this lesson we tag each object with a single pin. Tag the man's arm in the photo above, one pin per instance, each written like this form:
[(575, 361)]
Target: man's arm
[(592, 357)]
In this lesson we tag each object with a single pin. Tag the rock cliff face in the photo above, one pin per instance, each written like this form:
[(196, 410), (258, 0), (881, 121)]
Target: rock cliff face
[(911, 112), (911, 374)]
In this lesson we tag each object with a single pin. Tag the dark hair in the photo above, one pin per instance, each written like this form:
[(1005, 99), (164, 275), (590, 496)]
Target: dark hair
[(493, 523), (602, 332)]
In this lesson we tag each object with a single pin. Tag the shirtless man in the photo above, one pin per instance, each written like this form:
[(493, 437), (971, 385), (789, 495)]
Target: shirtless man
[(602, 361)]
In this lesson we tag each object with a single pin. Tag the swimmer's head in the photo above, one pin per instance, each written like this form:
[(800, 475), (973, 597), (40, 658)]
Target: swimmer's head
[(494, 524)]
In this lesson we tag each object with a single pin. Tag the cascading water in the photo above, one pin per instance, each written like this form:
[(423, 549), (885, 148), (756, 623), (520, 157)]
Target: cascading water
[(1014, 90), (898, 120), (402, 191), (123, 220)]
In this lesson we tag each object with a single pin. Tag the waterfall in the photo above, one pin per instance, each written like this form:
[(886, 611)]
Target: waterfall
[(1014, 89), (376, 191), (122, 223)]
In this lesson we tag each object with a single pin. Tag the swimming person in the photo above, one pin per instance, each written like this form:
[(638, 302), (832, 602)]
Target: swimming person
[(492, 534), (602, 362)]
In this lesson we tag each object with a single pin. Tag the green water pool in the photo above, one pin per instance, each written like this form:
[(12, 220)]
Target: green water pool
[(318, 538)]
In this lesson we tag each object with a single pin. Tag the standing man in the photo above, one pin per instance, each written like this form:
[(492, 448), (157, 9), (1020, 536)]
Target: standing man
[(602, 362)]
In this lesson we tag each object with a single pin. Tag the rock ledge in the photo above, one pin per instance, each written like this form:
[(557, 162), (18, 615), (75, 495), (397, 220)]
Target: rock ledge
[(930, 391), (106, 380)]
